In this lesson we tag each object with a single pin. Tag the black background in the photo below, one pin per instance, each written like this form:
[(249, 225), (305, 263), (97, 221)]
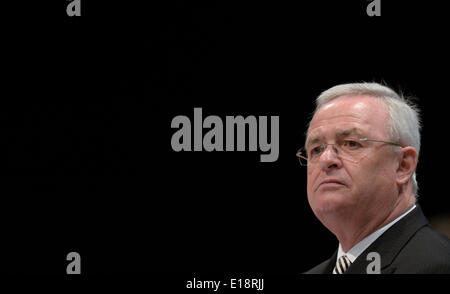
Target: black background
[(87, 104)]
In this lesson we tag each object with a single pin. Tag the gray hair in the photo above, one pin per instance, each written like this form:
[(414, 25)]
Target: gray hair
[(404, 119)]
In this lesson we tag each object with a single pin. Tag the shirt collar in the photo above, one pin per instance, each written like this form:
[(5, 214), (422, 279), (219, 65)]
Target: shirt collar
[(362, 245)]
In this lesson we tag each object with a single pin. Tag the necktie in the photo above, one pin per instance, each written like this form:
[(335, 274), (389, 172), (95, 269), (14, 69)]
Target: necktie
[(342, 265)]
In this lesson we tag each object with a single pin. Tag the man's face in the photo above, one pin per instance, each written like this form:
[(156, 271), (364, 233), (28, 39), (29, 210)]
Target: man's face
[(346, 187)]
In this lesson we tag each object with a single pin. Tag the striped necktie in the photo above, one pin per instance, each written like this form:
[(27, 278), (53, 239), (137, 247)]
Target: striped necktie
[(342, 265)]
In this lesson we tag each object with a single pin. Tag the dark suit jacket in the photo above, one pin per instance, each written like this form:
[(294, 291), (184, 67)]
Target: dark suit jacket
[(410, 246)]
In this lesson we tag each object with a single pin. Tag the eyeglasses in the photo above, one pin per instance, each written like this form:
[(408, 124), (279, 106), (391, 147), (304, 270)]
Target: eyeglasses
[(352, 150)]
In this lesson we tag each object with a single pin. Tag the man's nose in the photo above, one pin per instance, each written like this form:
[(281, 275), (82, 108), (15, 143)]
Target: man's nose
[(329, 158)]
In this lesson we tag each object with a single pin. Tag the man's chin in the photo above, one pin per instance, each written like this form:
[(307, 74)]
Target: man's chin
[(330, 201)]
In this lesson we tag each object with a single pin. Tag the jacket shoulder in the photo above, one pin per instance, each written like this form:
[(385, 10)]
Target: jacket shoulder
[(427, 252)]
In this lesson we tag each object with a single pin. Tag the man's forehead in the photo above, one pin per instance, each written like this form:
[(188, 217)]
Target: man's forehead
[(362, 107), (352, 104), (349, 113)]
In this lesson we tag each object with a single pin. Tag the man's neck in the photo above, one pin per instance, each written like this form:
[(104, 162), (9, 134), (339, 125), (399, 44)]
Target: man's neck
[(362, 245), (352, 230)]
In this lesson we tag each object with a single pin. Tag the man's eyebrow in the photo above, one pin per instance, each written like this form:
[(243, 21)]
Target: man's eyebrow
[(343, 133), (314, 140), (348, 132)]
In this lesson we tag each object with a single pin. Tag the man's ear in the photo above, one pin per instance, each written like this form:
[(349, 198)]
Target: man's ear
[(407, 165)]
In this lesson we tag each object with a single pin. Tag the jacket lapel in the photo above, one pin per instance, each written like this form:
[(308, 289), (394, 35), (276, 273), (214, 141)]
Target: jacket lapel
[(330, 264), (389, 244)]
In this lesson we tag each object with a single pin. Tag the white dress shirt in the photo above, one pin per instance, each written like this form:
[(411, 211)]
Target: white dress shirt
[(362, 245)]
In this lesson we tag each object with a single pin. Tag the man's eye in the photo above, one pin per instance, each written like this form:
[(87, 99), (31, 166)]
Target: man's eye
[(315, 150), (352, 144)]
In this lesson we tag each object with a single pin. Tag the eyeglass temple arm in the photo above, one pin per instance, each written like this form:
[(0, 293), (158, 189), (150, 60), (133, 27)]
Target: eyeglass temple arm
[(299, 154), (381, 141)]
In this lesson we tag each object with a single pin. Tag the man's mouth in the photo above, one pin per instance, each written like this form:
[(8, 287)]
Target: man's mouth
[(330, 183)]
